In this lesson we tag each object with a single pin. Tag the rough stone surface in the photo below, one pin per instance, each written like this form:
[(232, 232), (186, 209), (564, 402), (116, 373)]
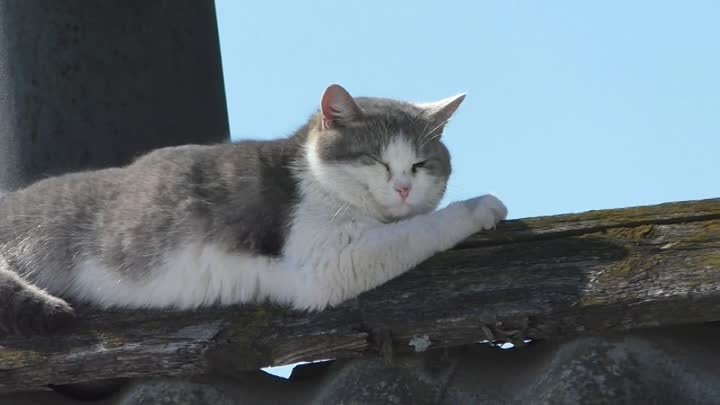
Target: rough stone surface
[(91, 84)]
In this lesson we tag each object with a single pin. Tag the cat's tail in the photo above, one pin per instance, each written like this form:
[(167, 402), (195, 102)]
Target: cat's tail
[(26, 309)]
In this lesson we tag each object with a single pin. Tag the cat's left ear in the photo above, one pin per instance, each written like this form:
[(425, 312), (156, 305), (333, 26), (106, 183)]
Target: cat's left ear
[(338, 107), (441, 111)]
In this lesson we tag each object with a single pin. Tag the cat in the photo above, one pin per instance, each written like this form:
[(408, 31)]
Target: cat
[(343, 205)]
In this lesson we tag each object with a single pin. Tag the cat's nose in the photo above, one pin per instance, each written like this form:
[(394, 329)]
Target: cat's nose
[(403, 190)]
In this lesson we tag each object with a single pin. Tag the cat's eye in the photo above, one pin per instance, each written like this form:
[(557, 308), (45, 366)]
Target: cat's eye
[(418, 165), (367, 159), (370, 159)]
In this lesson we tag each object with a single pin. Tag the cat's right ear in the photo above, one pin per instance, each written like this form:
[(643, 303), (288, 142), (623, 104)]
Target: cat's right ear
[(338, 107), (441, 111)]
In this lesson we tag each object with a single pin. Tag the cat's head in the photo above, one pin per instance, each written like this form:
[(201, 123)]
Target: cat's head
[(382, 155)]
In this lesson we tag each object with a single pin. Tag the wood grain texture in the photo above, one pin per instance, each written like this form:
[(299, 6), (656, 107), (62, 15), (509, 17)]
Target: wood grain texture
[(539, 278)]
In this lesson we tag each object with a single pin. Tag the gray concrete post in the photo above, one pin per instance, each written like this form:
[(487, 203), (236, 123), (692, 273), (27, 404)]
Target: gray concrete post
[(91, 84)]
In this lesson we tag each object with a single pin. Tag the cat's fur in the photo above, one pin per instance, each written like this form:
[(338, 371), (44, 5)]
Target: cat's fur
[(310, 220)]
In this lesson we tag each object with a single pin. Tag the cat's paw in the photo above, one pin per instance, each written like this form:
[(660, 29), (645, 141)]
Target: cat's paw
[(37, 314), (486, 211)]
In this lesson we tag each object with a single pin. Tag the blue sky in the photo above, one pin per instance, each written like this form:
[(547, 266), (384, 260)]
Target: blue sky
[(571, 105)]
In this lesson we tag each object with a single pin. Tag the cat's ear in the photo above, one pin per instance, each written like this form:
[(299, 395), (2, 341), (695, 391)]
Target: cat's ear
[(441, 111), (338, 107)]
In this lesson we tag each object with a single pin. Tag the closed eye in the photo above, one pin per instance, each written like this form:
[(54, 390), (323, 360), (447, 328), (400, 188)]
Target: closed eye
[(370, 158), (418, 165), (387, 167)]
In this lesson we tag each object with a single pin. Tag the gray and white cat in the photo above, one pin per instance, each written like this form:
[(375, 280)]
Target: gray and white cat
[(340, 207)]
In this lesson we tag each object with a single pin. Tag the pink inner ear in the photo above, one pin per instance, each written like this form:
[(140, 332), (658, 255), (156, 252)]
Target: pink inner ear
[(326, 108), (448, 110), (337, 104)]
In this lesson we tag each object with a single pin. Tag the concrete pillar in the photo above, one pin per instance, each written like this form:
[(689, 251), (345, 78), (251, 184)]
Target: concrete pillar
[(94, 83), (91, 84)]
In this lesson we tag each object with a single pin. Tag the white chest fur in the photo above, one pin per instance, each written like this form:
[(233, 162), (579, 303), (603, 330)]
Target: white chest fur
[(317, 253)]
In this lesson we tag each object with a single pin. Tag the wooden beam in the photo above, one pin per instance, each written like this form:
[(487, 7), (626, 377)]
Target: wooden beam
[(537, 278)]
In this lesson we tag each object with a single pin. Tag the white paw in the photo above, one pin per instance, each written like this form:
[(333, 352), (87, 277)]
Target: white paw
[(486, 211)]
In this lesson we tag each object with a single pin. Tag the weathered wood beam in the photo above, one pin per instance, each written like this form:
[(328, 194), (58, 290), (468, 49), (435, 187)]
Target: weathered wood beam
[(538, 278)]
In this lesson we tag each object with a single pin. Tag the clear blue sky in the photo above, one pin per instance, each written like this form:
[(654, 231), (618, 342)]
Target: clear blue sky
[(572, 105)]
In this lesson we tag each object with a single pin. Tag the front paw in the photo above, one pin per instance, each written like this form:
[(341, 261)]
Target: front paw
[(486, 211)]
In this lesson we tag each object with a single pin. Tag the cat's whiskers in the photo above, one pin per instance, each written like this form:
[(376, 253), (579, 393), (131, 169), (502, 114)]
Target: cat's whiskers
[(423, 132), (345, 211), (385, 130), (345, 207), (428, 137)]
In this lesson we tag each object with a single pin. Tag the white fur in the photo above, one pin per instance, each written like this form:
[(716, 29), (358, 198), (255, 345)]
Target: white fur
[(340, 243), (334, 262), (192, 276)]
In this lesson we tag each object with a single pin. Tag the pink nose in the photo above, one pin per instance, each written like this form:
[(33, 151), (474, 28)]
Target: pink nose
[(404, 191)]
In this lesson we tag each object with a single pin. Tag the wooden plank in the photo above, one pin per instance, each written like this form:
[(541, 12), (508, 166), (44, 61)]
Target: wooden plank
[(539, 278)]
